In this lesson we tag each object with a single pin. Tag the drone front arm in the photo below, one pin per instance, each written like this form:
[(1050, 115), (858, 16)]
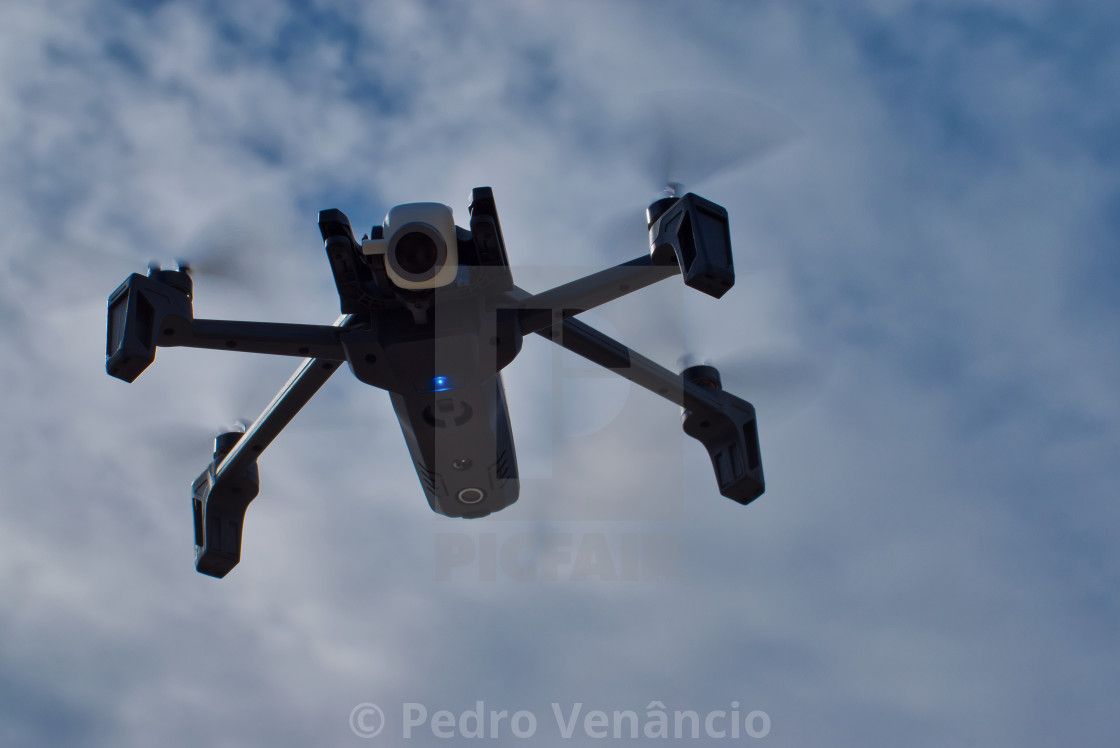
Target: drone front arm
[(722, 422), (542, 310), (146, 312), (223, 491), (276, 338)]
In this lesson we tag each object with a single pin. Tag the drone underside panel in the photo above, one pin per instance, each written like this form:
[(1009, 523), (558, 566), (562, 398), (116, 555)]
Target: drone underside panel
[(462, 446)]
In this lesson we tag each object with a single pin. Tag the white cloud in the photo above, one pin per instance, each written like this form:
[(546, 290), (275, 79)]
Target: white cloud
[(933, 556)]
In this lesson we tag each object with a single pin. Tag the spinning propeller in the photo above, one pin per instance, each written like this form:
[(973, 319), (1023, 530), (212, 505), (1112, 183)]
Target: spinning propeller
[(692, 136)]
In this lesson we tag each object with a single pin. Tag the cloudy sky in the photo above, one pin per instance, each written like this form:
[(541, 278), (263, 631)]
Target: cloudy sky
[(925, 317)]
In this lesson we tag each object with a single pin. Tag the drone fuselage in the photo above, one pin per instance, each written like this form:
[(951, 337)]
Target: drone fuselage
[(443, 372), (430, 314)]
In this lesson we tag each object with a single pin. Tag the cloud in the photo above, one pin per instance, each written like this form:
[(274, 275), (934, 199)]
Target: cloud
[(933, 558)]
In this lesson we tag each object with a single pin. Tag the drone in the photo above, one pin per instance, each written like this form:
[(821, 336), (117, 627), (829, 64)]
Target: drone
[(430, 313)]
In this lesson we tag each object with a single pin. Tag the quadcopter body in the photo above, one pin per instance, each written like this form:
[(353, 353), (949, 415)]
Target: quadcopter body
[(430, 313)]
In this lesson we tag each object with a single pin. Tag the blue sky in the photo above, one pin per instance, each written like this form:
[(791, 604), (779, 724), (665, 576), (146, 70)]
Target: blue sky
[(934, 247)]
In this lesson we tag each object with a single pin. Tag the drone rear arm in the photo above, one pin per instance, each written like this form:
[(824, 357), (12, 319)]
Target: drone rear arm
[(722, 422), (584, 340)]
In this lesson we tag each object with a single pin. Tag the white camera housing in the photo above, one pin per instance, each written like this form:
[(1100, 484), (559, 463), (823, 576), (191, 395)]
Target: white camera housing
[(419, 245)]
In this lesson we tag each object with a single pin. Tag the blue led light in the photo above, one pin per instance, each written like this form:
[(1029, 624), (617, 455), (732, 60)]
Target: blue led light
[(440, 384)]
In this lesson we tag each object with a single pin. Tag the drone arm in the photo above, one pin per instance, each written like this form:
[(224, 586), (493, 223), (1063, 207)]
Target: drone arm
[(277, 338), (312, 374), (542, 310), (223, 491), (722, 422), (586, 341), (146, 312)]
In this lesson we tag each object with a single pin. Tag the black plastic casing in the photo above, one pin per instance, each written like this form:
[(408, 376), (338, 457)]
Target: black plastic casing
[(697, 234), (139, 310), (461, 444), (219, 511), (729, 434), (445, 382)]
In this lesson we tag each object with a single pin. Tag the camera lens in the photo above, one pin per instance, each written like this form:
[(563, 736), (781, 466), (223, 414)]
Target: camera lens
[(416, 253), (419, 255)]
